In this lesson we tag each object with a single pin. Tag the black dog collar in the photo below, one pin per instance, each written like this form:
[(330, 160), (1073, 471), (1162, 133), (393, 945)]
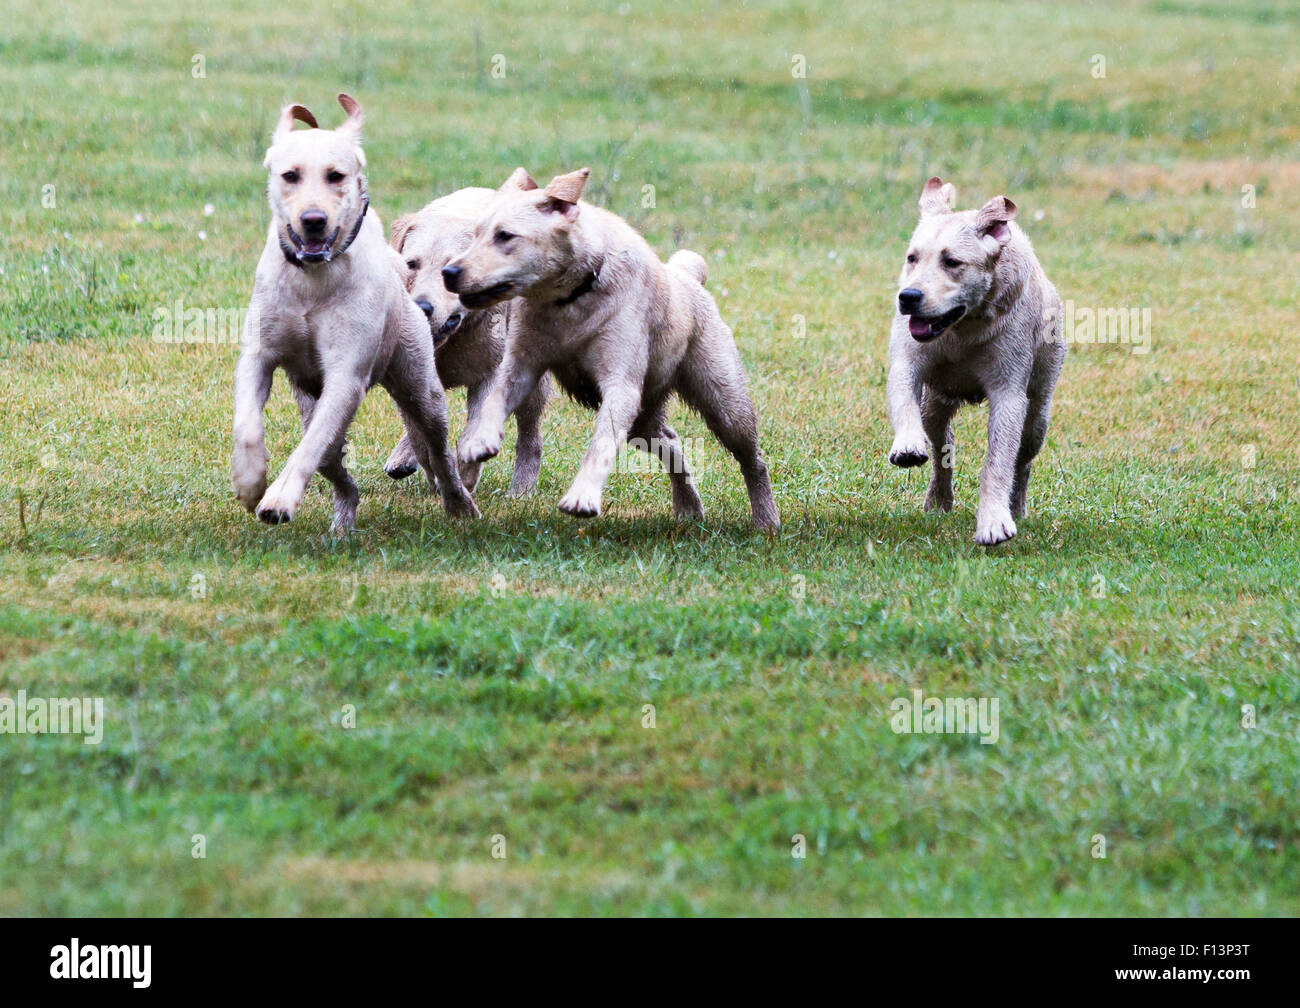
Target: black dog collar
[(585, 287)]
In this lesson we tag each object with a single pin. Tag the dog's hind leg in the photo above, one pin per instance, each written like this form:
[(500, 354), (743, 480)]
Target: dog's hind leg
[(528, 442), (712, 382), (652, 435), (332, 467), (936, 417)]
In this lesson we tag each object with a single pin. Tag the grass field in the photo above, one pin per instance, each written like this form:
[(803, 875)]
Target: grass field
[(346, 725)]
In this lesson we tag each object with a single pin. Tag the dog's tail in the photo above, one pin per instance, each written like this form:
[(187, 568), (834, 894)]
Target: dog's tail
[(692, 264)]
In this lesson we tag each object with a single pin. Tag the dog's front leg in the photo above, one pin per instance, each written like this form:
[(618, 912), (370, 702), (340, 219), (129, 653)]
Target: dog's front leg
[(903, 395), (344, 389), (514, 382), (620, 404), (528, 440), (253, 376), (993, 521), (474, 396), (402, 461)]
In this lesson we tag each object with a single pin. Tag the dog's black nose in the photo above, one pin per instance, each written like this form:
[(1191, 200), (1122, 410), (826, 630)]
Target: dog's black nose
[(314, 221), (451, 277), (909, 299), (425, 307)]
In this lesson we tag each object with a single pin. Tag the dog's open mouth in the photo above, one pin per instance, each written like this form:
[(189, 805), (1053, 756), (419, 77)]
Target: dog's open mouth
[(484, 298), (448, 329), (311, 250), (924, 329)]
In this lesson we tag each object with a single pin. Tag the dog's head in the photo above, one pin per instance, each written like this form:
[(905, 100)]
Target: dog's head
[(426, 242), (315, 183), (522, 244), (952, 260)]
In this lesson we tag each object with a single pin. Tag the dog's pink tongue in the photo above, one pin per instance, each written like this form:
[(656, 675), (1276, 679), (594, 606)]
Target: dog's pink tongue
[(917, 327)]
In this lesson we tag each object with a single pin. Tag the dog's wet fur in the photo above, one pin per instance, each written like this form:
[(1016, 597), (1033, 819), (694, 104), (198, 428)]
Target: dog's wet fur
[(329, 309), (977, 319), (620, 330), (469, 342)]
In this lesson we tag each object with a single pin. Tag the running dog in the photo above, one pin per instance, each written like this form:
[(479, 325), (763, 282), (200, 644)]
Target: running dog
[(977, 319), (468, 342), (328, 308), (620, 330)]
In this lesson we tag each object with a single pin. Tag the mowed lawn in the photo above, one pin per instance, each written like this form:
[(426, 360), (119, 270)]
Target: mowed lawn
[(643, 717)]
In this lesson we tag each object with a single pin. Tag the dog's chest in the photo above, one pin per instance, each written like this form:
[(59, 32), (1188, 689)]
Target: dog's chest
[(297, 342), (955, 379)]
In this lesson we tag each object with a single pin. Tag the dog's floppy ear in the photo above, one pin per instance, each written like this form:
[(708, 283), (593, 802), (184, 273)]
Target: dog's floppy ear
[(519, 181), (401, 228), (288, 116), (991, 223), (564, 191), (937, 197)]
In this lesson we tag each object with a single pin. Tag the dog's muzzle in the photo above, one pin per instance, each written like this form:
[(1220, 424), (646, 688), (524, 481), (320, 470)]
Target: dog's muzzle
[(309, 250), (298, 250)]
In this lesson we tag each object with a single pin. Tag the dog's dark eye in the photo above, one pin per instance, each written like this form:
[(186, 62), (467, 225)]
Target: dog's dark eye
[(911, 258), (290, 176), (335, 177), (950, 263), (501, 237), (413, 264)]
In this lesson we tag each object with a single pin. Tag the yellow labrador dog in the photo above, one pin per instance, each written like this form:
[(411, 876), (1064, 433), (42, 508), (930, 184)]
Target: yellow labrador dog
[(468, 342), (329, 309), (620, 330), (977, 319)]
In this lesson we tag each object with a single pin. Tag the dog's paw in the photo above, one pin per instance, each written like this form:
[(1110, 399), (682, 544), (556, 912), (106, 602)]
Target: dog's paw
[(248, 473), (401, 460), (478, 447), (274, 515), (993, 526), (688, 506), (248, 494), (581, 502), (249, 484), (908, 452), (345, 512), (469, 476), (276, 508), (460, 505), (938, 499)]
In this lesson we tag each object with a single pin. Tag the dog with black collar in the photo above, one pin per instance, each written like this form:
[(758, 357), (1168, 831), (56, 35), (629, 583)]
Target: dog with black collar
[(328, 309), (620, 330)]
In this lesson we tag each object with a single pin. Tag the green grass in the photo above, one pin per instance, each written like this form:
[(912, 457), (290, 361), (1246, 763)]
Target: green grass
[(499, 670)]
